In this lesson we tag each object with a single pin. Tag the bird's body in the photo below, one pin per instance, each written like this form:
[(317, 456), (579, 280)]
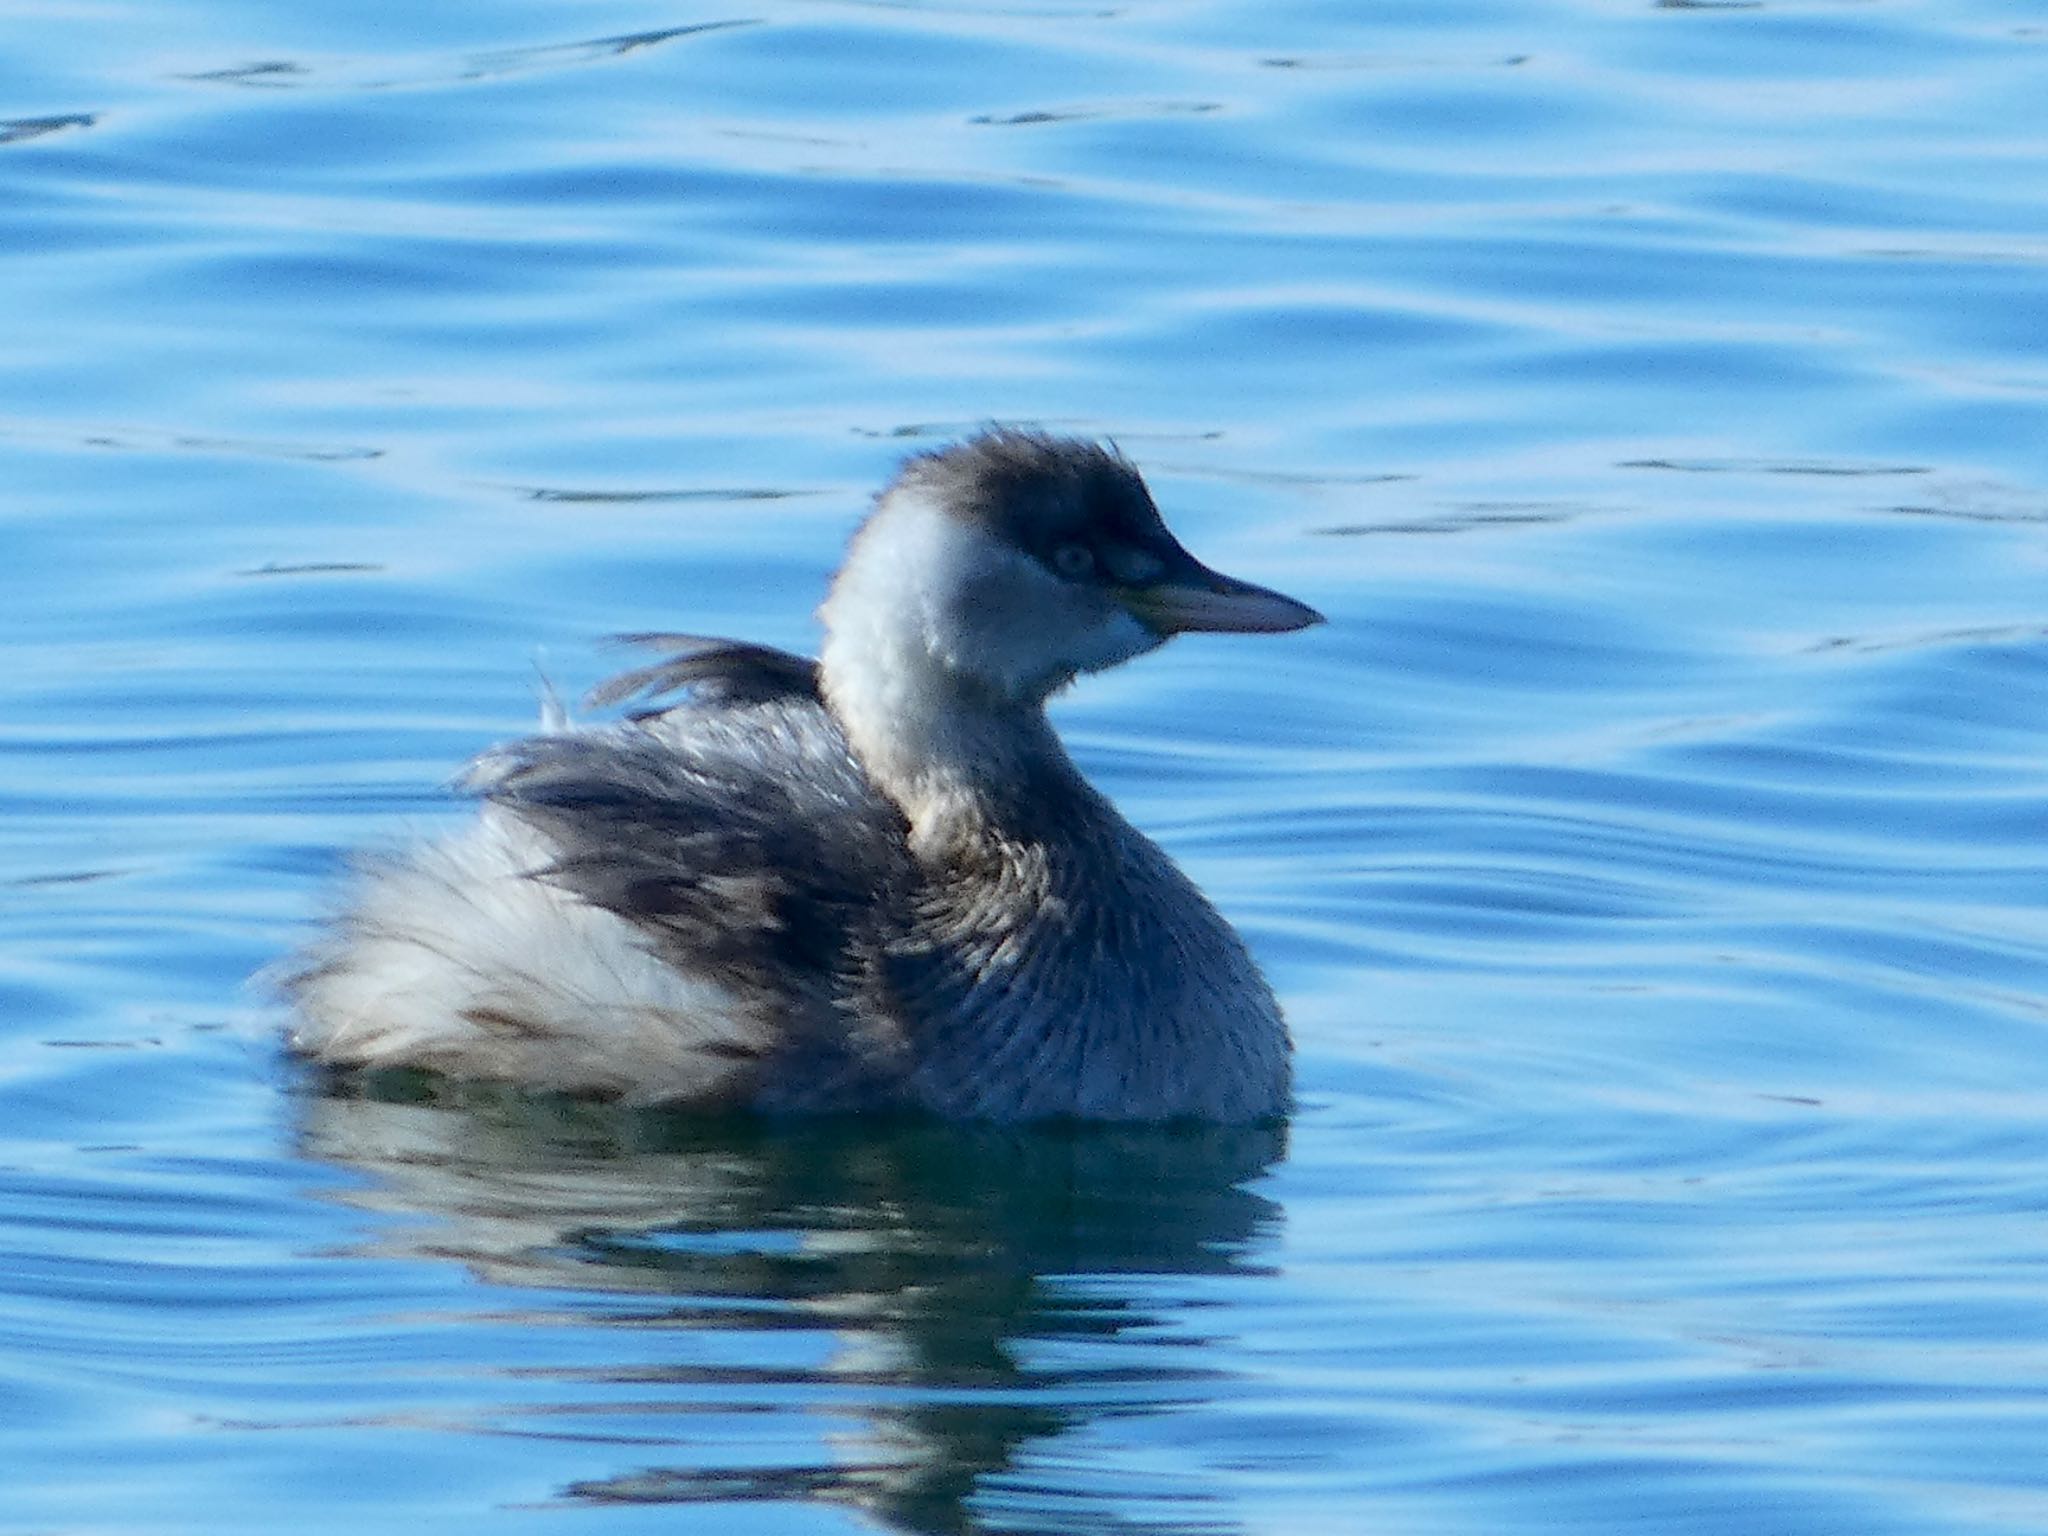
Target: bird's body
[(872, 881)]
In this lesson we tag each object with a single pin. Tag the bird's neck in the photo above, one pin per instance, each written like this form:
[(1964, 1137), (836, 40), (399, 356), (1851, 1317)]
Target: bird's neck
[(941, 693), (957, 758)]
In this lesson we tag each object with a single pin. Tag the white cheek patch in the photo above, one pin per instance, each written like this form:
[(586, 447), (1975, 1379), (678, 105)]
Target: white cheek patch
[(925, 591), (1014, 625), (1002, 613), (1120, 638)]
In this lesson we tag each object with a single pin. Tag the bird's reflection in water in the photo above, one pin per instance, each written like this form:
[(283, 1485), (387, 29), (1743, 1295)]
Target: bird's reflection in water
[(892, 1313)]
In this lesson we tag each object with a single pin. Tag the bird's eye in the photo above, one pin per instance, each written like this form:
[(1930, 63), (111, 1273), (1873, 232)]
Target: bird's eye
[(1073, 561)]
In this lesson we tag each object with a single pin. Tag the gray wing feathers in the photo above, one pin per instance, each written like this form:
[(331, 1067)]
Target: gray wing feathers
[(744, 843)]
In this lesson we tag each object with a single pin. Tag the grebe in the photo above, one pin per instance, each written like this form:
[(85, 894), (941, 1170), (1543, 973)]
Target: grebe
[(871, 881)]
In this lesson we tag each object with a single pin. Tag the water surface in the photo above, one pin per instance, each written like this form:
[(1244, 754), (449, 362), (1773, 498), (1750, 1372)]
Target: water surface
[(1649, 852)]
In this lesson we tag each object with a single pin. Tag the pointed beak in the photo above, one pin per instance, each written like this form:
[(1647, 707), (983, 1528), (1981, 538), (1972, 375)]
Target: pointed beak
[(1201, 599)]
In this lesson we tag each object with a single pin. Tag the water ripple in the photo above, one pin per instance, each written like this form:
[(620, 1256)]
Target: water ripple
[(1651, 871), (393, 73)]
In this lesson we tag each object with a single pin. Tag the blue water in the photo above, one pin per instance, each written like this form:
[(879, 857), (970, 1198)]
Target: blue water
[(1652, 852)]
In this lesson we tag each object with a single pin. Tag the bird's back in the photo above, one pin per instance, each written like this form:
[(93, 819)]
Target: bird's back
[(660, 910)]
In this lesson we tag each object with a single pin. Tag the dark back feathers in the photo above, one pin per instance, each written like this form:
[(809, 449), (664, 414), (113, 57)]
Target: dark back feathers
[(758, 873), (714, 671)]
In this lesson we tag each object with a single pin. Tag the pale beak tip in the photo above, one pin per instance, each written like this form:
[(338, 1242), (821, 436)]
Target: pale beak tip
[(1278, 614)]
